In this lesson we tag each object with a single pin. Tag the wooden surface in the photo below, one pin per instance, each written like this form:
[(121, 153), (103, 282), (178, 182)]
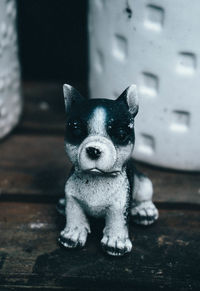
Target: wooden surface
[(33, 169)]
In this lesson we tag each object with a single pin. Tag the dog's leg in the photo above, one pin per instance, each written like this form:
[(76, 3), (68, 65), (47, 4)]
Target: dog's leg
[(77, 226), (143, 209), (116, 240)]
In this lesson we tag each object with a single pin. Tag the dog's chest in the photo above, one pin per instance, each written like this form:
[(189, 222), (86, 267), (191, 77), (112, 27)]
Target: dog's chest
[(97, 193)]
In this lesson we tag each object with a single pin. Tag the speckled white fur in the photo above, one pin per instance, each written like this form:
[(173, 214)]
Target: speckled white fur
[(100, 188), (99, 196), (142, 208)]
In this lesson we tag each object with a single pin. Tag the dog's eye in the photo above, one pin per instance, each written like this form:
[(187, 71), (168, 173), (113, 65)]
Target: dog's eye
[(75, 127), (73, 124), (76, 131), (120, 134)]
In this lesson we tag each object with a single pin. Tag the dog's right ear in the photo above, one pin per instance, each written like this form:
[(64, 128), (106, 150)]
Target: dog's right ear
[(130, 97), (71, 96)]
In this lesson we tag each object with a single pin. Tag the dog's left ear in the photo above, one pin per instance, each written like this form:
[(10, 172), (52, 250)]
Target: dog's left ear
[(71, 96), (130, 97)]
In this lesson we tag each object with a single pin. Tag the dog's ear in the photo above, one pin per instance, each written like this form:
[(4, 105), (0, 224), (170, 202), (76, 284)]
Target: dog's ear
[(130, 97), (71, 96)]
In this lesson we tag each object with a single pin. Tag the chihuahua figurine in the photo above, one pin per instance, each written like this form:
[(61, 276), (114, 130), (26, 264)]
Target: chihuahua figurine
[(103, 182)]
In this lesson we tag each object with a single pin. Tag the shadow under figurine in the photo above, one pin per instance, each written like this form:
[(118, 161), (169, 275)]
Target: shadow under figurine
[(104, 182)]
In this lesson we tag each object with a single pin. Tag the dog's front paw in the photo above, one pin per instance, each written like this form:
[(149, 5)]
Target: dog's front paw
[(116, 246), (73, 237), (144, 213)]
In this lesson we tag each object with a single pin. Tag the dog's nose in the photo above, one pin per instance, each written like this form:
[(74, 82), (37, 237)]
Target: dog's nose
[(93, 153)]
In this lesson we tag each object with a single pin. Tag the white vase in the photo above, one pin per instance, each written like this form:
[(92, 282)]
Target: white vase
[(10, 95), (156, 45)]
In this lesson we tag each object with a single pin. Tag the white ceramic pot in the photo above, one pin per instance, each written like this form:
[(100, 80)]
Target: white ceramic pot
[(10, 96), (156, 45)]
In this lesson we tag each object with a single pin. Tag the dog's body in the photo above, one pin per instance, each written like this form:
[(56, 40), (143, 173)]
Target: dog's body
[(104, 183)]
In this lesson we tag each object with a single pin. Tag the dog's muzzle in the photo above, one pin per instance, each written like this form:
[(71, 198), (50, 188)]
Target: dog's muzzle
[(97, 153)]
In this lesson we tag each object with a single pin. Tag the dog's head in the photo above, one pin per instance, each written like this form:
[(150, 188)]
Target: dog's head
[(100, 132)]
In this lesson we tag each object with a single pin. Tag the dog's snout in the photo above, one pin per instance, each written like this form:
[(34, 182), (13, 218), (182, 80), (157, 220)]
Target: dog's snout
[(93, 153), (97, 152)]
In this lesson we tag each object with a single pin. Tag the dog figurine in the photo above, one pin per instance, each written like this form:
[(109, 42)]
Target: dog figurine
[(99, 141)]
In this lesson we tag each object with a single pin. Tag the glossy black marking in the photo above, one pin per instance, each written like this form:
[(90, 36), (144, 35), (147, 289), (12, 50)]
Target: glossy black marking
[(76, 130), (93, 153), (139, 218), (121, 131), (114, 250), (119, 121), (72, 244)]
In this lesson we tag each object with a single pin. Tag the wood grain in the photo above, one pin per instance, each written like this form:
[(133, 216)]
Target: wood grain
[(165, 256)]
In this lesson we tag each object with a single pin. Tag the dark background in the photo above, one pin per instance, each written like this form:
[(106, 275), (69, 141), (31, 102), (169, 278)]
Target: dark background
[(53, 40)]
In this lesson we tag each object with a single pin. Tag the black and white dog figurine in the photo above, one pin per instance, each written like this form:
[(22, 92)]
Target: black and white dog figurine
[(103, 183)]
